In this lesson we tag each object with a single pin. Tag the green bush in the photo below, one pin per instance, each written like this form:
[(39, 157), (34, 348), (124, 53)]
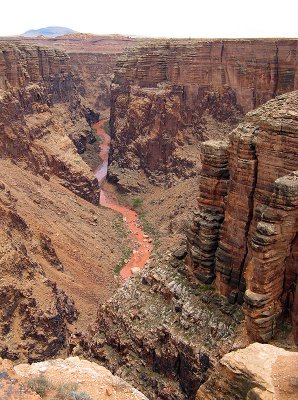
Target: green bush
[(137, 202)]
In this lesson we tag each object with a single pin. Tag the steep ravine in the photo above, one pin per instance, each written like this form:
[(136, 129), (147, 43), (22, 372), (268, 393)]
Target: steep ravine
[(141, 255)]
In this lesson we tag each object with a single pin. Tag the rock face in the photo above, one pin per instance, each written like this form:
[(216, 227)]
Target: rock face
[(55, 240), (204, 233), (260, 372), (169, 96), (172, 334), (29, 326), (11, 387), (255, 254), (86, 378), (42, 116), (92, 58)]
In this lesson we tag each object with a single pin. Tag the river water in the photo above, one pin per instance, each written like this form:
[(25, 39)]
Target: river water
[(143, 247)]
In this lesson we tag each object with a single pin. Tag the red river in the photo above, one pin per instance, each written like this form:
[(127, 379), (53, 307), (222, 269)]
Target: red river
[(107, 199)]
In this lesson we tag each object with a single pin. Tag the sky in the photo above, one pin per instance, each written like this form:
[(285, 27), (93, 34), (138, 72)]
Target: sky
[(156, 18)]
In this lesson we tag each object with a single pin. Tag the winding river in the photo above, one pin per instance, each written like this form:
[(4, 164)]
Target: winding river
[(108, 199)]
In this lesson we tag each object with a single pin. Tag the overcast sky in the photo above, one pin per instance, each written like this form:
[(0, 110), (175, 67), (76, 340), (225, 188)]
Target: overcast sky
[(156, 18)]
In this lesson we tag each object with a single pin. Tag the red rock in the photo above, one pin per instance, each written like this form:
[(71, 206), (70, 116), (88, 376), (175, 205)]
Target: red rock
[(170, 95), (204, 233), (257, 249)]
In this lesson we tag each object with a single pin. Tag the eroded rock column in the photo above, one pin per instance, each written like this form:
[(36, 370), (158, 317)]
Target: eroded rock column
[(232, 248), (204, 232), (271, 245)]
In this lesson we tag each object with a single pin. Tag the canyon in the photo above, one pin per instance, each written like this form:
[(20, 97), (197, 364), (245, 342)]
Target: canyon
[(168, 97), (201, 160)]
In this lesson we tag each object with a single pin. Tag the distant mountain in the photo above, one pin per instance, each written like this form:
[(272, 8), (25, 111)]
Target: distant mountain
[(49, 31)]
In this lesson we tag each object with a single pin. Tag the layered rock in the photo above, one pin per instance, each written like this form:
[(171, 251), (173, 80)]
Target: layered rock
[(204, 233), (172, 335), (259, 372), (30, 328), (54, 245), (170, 95), (42, 116), (256, 253), (93, 58)]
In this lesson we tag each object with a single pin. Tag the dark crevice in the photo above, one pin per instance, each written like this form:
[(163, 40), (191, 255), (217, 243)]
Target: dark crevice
[(276, 72), (250, 215)]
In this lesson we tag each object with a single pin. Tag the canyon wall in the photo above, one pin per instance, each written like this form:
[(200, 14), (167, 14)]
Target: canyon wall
[(169, 96), (161, 333), (92, 59), (244, 234), (42, 116), (55, 240)]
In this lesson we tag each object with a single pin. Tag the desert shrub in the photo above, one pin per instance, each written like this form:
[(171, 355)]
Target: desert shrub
[(64, 391), (39, 384), (80, 396), (136, 202), (68, 391)]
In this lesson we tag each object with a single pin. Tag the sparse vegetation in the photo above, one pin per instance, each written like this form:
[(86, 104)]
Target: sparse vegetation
[(204, 288), (137, 202), (65, 391), (126, 256), (119, 227), (150, 229), (69, 391), (39, 384), (106, 127)]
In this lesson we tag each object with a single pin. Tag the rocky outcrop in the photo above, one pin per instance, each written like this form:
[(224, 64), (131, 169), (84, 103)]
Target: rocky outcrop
[(259, 372), (30, 327), (42, 116), (172, 335), (77, 378), (256, 253), (170, 95), (54, 245), (12, 387), (94, 73)]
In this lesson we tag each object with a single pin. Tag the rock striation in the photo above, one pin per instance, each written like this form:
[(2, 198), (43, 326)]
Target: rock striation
[(55, 240), (203, 235), (42, 116), (169, 96), (254, 257), (260, 371), (31, 328), (172, 335)]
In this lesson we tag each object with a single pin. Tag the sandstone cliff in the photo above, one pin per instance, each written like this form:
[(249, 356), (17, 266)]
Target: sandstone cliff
[(244, 233), (260, 372), (42, 117), (54, 242), (169, 96), (34, 313), (162, 334)]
